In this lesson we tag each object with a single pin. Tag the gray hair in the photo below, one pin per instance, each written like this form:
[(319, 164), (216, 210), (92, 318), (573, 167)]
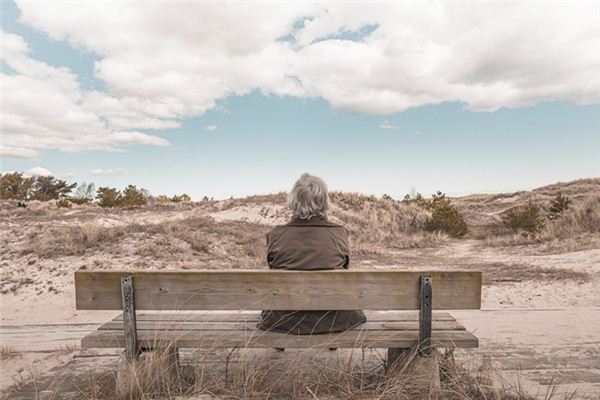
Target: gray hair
[(309, 197)]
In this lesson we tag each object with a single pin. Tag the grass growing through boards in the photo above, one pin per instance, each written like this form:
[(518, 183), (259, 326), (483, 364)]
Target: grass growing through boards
[(296, 374), (303, 376)]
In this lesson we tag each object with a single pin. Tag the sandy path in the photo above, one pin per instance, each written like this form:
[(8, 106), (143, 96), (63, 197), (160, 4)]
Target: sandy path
[(538, 347)]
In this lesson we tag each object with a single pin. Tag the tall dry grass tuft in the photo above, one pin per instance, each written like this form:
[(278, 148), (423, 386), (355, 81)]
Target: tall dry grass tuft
[(375, 225), (156, 374), (7, 352), (300, 374), (574, 229), (306, 375), (581, 218), (228, 240), (296, 374), (71, 240)]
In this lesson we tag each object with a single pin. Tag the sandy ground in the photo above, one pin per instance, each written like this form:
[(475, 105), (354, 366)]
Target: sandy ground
[(540, 313), (519, 291)]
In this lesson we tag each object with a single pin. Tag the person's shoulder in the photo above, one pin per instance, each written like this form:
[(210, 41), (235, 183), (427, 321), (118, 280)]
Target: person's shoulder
[(276, 231)]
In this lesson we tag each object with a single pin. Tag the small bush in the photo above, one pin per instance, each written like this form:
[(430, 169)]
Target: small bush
[(559, 205), (444, 216), (182, 197), (108, 197), (528, 220), (133, 197)]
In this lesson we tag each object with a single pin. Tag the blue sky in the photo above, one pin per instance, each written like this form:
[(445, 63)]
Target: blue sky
[(239, 135)]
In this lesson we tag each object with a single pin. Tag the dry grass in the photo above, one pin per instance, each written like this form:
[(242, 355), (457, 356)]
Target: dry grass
[(225, 241), (582, 218), (7, 352), (276, 198), (70, 240), (376, 225), (576, 229), (305, 376), (202, 236)]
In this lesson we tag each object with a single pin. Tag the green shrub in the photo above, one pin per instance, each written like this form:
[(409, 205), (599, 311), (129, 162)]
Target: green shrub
[(527, 220), (559, 205), (444, 216), (14, 186), (108, 197), (133, 197), (183, 197)]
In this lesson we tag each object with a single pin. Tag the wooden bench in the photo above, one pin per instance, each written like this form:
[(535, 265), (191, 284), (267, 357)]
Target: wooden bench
[(389, 298)]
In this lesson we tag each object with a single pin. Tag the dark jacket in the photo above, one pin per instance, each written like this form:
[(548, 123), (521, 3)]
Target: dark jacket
[(309, 245)]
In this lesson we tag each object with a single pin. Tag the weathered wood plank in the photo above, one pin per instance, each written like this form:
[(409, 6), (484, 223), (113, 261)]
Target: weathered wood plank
[(253, 316), (129, 322), (260, 339), (278, 290), (425, 323), (251, 325)]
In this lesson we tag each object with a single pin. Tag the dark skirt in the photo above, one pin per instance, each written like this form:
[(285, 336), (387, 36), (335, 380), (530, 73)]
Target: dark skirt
[(310, 322)]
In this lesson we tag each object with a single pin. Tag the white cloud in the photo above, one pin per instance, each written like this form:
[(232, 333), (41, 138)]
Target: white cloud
[(44, 108), (163, 62), (211, 128), (41, 171), (387, 125), (109, 172), (38, 171)]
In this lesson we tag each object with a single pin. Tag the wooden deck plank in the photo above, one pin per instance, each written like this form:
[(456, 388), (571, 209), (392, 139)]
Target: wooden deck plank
[(251, 325), (277, 290), (202, 316), (260, 339)]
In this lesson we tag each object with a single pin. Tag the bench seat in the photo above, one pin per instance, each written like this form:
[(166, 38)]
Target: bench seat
[(384, 329)]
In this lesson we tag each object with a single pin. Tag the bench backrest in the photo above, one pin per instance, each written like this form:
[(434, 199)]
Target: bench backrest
[(277, 290)]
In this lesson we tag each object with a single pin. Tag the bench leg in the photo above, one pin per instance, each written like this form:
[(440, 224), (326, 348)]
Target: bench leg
[(154, 369), (425, 317), (129, 322), (393, 354)]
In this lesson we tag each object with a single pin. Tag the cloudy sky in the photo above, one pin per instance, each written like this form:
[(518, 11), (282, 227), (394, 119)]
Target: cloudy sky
[(235, 99)]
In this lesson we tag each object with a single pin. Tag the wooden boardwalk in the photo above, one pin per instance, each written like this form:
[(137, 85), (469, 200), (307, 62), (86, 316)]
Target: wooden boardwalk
[(537, 346)]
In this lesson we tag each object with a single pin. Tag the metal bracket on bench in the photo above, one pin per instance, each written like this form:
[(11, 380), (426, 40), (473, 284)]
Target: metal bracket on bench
[(425, 301), (129, 322)]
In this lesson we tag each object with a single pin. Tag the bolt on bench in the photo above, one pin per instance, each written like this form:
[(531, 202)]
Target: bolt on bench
[(387, 296)]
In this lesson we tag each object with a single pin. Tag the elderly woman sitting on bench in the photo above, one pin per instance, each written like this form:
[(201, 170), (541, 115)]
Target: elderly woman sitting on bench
[(309, 242)]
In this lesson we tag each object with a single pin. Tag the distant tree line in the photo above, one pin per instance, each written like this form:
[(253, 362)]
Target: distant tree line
[(16, 186)]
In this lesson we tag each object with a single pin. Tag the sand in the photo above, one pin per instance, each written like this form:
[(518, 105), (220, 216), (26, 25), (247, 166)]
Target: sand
[(523, 285)]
